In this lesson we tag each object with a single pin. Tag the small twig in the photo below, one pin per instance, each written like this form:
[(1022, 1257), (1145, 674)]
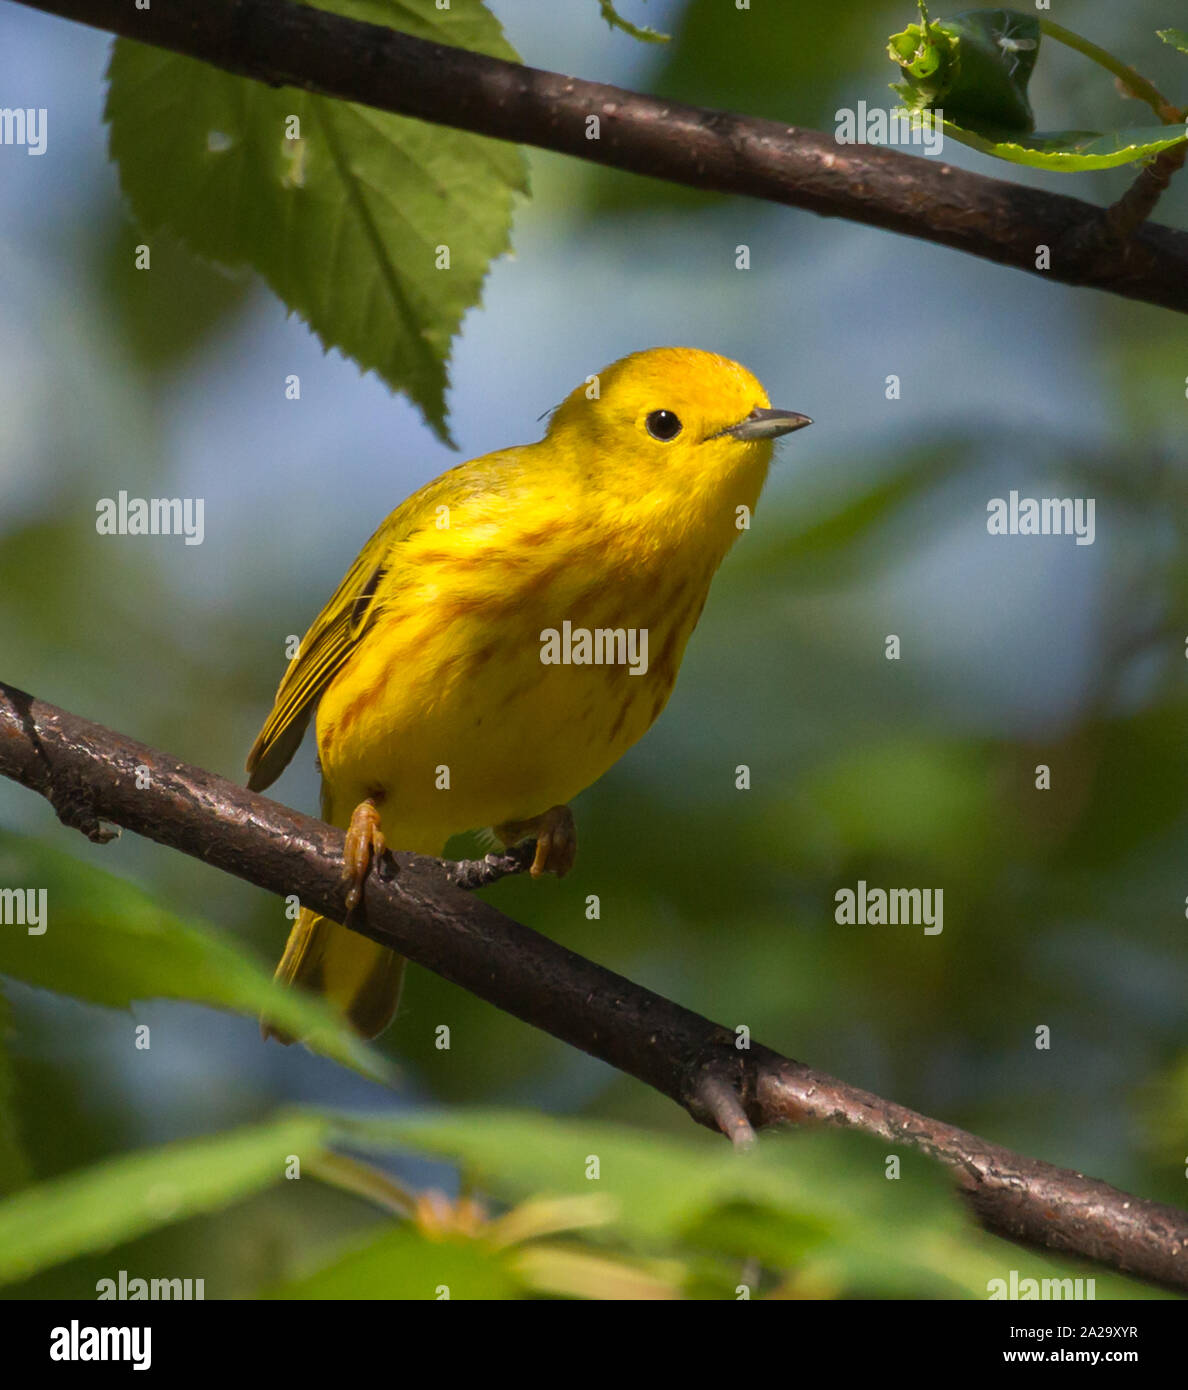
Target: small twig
[(1136, 205), (351, 1174), (1127, 215), (1132, 81), (479, 873), (720, 1101)]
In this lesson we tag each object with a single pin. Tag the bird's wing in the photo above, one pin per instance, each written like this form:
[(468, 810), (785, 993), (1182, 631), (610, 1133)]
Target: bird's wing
[(342, 624), (326, 647)]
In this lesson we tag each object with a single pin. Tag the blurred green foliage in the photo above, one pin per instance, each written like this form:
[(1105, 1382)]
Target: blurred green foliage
[(113, 944), (586, 1210)]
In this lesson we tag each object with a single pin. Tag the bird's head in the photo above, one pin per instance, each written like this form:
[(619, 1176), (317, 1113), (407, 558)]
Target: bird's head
[(675, 421)]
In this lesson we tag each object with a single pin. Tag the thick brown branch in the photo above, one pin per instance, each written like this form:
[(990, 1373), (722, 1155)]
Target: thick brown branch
[(282, 43), (89, 773)]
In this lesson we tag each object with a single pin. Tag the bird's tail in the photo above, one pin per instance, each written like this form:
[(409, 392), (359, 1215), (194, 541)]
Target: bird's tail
[(359, 976)]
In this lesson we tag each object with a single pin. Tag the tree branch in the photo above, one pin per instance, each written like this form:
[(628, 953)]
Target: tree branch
[(1140, 199), (280, 43), (90, 773)]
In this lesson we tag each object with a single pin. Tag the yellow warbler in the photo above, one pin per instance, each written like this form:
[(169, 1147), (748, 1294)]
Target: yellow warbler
[(512, 629)]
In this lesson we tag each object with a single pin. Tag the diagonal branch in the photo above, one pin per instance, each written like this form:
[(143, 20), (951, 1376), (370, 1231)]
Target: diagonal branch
[(90, 773), (281, 43)]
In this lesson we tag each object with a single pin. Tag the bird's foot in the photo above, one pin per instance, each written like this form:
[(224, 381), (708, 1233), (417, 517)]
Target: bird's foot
[(556, 840), (365, 845)]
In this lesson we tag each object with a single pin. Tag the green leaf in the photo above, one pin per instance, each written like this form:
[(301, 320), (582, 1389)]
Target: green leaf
[(616, 21), (973, 70), (406, 1264), (824, 1198), (14, 1164), (345, 222), (818, 1210), (976, 66), (657, 1185), (121, 1199), (1178, 38), (108, 942), (1071, 151)]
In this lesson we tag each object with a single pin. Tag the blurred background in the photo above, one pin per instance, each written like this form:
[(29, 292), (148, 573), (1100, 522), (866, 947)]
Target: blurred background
[(1063, 908)]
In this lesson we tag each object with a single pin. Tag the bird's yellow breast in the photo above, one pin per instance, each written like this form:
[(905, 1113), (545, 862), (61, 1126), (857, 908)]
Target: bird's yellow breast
[(455, 708)]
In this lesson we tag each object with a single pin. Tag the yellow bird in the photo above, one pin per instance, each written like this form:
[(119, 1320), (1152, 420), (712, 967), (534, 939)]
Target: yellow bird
[(511, 630)]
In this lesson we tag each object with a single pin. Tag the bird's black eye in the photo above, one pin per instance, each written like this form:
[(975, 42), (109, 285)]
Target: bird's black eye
[(663, 425)]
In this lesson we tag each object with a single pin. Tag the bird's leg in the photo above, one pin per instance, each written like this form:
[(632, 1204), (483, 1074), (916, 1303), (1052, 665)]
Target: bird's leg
[(556, 840), (364, 845)]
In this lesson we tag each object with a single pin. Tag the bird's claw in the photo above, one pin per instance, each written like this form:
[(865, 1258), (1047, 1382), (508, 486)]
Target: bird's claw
[(365, 845), (556, 840)]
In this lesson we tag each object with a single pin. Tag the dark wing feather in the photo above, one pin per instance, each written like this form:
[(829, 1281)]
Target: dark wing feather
[(324, 650)]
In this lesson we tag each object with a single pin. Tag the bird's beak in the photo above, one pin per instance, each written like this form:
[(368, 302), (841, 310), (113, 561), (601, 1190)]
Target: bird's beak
[(767, 424)]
